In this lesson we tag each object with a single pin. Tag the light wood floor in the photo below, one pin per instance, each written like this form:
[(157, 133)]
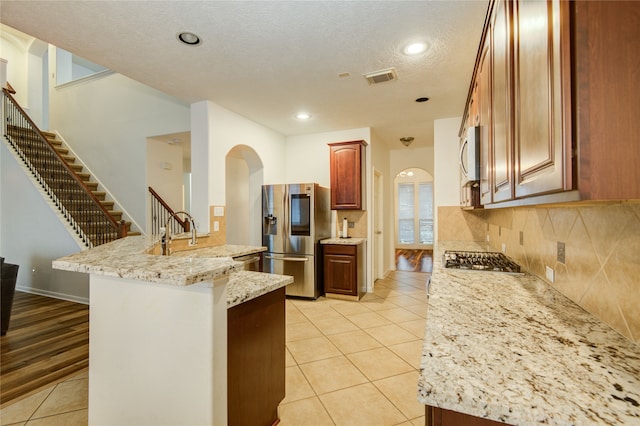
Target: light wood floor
[(47, 341)]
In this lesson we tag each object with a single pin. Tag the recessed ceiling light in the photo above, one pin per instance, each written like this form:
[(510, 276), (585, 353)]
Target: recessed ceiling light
[(414, 48), (188, 38), (422, 99), (303, 116)]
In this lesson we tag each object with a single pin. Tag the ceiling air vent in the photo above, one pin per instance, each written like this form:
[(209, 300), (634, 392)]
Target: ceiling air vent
[(381, 76)]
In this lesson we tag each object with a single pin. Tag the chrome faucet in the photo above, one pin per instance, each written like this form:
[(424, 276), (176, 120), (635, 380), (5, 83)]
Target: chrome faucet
[(166, 237)]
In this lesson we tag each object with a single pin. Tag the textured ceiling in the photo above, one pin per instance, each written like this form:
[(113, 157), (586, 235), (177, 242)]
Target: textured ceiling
[(267, 60)]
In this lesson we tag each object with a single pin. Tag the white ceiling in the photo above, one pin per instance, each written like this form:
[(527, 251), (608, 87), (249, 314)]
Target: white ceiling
[(267, 60)]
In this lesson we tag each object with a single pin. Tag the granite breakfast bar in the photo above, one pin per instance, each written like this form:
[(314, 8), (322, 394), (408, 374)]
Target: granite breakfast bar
[(511, 349), (159, 329)]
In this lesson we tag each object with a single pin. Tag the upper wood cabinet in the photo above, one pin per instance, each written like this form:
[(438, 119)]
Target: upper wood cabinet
[(542, 97), (606, 83), (500, 141), (554, 90), (347, 166)]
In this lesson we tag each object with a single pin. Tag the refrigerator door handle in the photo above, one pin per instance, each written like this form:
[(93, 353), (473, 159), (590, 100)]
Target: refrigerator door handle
[(288, 259)]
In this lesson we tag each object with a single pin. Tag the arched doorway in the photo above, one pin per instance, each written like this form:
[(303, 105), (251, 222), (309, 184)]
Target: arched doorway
[(243, 196)]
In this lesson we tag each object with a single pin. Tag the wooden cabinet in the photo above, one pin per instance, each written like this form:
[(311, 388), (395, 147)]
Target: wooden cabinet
[(606, 86), (435, 416), (347, 175), (542, 107), (558, 80), (256, 360), (344, 270), (500, 161)]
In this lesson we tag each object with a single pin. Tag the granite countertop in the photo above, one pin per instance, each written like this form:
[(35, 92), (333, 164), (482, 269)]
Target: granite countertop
[(246, 285), (127, 258), (350, 241), (511, 348), (226, 250)]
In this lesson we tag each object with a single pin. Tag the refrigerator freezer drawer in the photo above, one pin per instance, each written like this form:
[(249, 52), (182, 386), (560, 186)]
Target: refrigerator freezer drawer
[(301, 268)]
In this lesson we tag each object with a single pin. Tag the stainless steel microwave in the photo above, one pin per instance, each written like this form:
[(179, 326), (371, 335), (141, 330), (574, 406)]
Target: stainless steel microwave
[(470, 156)]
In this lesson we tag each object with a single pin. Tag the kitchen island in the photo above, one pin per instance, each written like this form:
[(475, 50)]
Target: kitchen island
[(512, 349), (159, 328)]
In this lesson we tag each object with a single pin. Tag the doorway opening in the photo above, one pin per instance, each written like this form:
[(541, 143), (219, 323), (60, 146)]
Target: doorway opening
[(243, 196), (413, 209)]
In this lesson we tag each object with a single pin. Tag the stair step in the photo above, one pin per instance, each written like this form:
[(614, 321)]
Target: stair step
[(76, 167), (48, 134), (107, 204), (70, 159), (99, 194)]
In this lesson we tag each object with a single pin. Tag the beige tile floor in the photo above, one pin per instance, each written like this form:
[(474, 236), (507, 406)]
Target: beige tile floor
[(348, 363)]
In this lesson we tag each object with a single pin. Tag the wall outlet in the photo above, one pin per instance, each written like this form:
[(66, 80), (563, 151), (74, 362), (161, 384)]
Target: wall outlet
[(487, 237), (561, 252), (550, 274), (351, 224), (216, 226), (504, 248)]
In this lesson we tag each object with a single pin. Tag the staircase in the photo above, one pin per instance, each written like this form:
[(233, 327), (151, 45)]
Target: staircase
[(86, 178), (64, 181)]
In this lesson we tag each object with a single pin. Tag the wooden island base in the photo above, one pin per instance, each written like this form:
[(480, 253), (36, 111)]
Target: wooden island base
[(256, 360), (435, 416)]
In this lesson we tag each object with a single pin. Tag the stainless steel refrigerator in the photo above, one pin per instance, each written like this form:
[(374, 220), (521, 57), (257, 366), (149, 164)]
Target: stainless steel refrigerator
[(295, 217)]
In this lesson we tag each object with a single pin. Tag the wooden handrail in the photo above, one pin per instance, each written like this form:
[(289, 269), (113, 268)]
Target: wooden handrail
[(120, 226), (186, 225)]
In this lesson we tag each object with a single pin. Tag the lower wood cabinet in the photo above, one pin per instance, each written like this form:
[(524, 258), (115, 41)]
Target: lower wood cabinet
[(435, 416), (256, 360), (343, 274)]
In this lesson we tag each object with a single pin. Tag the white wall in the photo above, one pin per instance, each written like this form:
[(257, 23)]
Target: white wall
[(33, 235), (381, 162), (307, 157), (107, 121), (14, 48), (214, 132), (446, 191), (237, 201), (164, 175)]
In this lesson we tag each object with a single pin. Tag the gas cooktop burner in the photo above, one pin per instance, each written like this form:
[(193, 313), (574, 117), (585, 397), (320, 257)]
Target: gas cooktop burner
[(479, 261)]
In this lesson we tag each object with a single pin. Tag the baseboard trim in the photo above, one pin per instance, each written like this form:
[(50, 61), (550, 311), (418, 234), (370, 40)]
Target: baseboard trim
[(53, 294)]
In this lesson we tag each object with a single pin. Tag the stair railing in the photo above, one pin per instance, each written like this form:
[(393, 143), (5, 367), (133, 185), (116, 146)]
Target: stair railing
[(160, 214), (77, 203)]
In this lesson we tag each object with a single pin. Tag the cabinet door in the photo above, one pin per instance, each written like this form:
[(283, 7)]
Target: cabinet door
[(484, 121), (501, 96), (340, 274), (542, 101), (346, 176)]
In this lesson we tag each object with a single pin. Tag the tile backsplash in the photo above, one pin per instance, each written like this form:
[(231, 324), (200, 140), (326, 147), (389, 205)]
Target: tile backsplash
[(357, 217), (601, 268)]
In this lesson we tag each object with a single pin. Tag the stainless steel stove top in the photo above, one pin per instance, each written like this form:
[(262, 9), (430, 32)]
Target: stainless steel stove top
[(479, 261)]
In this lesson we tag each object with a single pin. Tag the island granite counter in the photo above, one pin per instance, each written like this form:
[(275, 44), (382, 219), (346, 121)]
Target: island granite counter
[(513, 349), (158, 329)]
